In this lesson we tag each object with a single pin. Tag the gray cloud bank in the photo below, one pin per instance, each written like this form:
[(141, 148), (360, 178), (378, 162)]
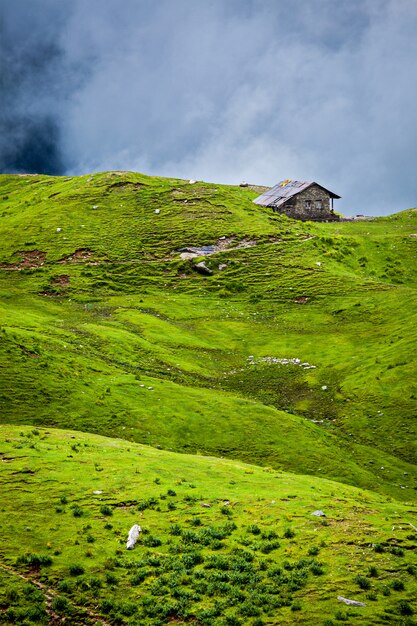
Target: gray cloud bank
[(220, 90)]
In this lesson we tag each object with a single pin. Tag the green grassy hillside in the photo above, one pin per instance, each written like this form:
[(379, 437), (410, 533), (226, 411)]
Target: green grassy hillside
[(296, 353), (98, 306), (222, 542)]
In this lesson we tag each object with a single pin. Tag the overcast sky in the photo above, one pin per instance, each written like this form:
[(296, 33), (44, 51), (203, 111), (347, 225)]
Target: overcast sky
[(217, 90)]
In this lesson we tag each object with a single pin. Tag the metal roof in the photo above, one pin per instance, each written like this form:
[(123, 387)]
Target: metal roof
[(286, 189)]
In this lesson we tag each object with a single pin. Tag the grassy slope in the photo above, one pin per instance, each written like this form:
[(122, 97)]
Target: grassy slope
[(255, 556), (133, 315), (126, 340)]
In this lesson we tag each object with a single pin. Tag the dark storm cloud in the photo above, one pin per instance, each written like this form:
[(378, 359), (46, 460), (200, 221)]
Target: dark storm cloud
[(29, 54), (221, 90)]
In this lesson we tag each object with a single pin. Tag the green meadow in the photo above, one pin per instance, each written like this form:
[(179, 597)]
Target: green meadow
[(281, 382)]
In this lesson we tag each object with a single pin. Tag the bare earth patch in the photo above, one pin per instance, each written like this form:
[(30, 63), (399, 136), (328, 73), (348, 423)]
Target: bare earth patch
[(30, 259)]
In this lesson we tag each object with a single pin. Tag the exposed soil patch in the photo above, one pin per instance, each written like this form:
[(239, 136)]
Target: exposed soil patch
[(61, 281), (122, 185), (301, 299), (30, 258), (79, 256)]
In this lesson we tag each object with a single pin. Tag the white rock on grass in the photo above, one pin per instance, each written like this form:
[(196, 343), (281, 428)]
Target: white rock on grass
[(350, 602), (157, 211), (133, 536)]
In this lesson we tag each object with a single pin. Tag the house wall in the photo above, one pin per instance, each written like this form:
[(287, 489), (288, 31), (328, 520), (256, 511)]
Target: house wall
[(296, 207)]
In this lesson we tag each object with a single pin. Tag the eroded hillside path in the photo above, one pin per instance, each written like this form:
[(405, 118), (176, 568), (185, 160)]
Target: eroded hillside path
[(50, 595)]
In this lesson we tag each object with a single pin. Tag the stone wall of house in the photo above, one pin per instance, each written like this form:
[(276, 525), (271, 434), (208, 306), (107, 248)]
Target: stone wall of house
[(312, 204)]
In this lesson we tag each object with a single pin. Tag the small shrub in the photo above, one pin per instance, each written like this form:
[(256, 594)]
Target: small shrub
[(248, 609), (397, 551), (379, 548), (254, 529), (288, 533), (90, 539), (341, 616), (362, 582), (225, 510), (373, 571), (138, 578), (60, 604), (107, 606), (296, 606), (151, 542), (77, 511), (76, 570), (64, 586), (196, 521), (397, 585), (268, 546), (106, 510), (35, 560), (175, 530), (316, 568), (192, 559), (128, 609), (12, 595), (111, 579), (404, 608), (313, 551), (372, 595), (63, 500), (171, 492), (36, 614)]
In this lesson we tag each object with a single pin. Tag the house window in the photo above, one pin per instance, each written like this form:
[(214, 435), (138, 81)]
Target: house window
[(307, 204), (319, 204)]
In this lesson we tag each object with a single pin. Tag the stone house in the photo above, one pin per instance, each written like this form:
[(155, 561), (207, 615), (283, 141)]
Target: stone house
[(300, 200)]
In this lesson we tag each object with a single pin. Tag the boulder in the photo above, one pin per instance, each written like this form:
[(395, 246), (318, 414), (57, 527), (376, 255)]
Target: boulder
[(186, 256), (319, 514), (350, 602), (202, 268)]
